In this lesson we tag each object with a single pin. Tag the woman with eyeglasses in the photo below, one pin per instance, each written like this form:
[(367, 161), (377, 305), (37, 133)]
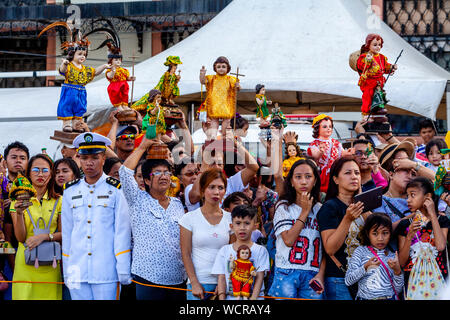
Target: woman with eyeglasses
[(187, 173), (39, 173), (156, 254), (203, 232)]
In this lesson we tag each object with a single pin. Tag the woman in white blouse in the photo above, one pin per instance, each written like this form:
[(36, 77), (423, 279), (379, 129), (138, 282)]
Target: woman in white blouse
[(156, 254), (202, 233)]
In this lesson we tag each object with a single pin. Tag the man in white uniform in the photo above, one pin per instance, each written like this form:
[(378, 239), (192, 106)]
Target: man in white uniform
[(96, 232)]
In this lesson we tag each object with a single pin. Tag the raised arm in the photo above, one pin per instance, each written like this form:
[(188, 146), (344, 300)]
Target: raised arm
[(132, 160), (333, 239), (277, 159), (63, 67), (113, 131), (102, 68), (203, 75), (251, 166)]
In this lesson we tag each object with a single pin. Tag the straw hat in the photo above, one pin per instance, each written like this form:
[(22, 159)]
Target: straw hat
[(353, 58), (389, 151), (381, 146)]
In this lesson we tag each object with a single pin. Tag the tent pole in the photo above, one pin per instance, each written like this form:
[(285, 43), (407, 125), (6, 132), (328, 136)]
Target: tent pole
[(447, 99)]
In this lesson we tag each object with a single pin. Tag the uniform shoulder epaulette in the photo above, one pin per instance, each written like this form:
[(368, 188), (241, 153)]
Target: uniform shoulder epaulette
[(114, 182), (70, 183)]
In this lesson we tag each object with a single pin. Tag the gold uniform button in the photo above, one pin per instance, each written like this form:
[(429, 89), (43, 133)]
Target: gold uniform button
[(89, 206), (88, 237), (89, 254), (89, 221), (91, 191)]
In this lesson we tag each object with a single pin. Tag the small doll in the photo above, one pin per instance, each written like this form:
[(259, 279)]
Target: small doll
[(293, 154), (442, 178), (324, 149), (371, 66), (262, 112), (220, 99), (73, 100), (168, 84), (243, 272), (117, 76), (155, 115)]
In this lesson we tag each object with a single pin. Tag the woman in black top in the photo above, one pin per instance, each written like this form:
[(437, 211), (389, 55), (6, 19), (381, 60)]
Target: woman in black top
[(335, 218)]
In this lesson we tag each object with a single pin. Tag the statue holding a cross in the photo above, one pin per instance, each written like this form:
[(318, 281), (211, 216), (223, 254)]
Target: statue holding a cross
[(221, 91)]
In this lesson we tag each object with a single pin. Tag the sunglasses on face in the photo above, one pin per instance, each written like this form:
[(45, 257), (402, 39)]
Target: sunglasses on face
[(37, 170), (159, 173), (126, 136), (191, 173)]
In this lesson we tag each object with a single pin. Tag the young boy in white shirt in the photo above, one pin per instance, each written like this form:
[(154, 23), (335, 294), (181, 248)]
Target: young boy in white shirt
[(243, 222)]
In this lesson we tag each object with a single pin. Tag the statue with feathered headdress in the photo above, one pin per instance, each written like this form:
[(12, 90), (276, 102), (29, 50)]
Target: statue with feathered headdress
[(73, 99)]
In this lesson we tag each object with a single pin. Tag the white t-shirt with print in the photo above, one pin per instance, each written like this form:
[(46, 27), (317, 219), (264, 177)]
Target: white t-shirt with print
[(259, 258), (306, 253), (234, 184), (207, 239)]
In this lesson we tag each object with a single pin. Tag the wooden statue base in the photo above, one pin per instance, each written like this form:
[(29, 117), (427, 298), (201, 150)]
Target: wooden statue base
[(126, 116), (377, 127), (158, 151), (64, 137), (174, 114)]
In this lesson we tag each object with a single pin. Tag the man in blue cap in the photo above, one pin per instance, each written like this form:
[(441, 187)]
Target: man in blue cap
[(96, 232), (125, 142)]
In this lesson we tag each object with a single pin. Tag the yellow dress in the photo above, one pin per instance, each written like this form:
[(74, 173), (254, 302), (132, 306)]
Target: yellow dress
[(220, 96), (24, 272), (287, 164)]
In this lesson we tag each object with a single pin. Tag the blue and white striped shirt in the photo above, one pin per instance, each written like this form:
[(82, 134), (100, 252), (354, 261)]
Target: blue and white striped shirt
[(373, 283)]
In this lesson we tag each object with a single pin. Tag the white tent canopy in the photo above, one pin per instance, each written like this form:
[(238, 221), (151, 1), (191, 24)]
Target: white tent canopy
[(287, 45)]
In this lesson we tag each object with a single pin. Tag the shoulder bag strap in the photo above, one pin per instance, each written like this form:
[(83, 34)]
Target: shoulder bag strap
[(46, 226), (386, 269), (32, 221), (394, 209), (51, 217), (338, 264)]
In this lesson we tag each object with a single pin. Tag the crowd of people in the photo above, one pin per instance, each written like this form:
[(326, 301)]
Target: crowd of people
[(225, 224)]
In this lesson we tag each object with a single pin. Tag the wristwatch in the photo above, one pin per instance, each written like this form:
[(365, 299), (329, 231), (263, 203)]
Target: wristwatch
[(417, 167), (50, 235)]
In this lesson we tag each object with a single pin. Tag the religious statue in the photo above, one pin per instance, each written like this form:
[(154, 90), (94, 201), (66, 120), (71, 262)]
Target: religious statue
[(73, 100), (242, 273), (324, 149), (168, 84), (442, 178), (371, 66), (293, 154), (154, 126), (262, 112), (220, 99)]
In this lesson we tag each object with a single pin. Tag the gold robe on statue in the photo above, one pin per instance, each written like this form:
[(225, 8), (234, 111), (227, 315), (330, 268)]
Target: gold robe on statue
[(220, 96)]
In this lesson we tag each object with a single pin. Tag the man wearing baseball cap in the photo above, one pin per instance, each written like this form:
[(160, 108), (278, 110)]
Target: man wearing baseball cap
[(96, 232)]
